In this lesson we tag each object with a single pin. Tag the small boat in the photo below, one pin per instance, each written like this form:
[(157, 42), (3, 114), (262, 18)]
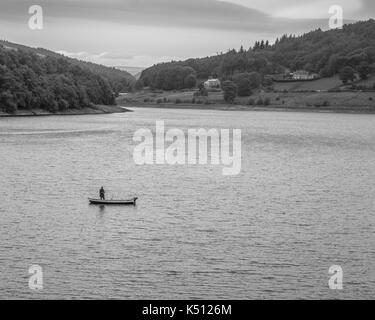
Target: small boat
[(131, 202)]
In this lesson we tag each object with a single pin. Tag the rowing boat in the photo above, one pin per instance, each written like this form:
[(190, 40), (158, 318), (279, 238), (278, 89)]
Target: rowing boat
[(132, 202)]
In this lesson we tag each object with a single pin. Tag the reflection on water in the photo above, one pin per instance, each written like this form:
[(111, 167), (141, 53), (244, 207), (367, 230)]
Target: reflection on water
[(303, 202)]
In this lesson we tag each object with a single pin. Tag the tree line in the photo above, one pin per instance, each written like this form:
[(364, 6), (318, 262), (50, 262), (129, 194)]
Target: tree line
[(120, 81), (34, 81), (169, 77)]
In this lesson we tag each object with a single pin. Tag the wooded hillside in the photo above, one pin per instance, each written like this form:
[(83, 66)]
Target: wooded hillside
[(40, 79), (322, 52)]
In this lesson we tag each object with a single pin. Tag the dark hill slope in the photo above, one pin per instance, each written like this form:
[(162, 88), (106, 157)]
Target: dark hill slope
[(39, 79), (120, 80)]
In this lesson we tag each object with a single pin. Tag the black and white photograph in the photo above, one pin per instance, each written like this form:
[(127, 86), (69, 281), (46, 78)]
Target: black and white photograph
[(187, 150)]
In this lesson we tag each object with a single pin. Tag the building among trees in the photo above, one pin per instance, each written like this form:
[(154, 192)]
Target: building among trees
[(304, 75), (212, 83), (300, 75)]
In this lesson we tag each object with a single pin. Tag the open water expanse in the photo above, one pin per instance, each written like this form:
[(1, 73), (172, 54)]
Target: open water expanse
[(304, 201)]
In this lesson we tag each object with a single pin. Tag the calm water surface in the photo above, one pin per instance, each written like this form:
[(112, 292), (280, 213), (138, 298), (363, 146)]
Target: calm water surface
[(303, 202)]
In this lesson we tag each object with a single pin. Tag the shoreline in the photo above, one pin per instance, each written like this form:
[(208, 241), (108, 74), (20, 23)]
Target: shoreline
[(224, 107), (97, 110), (319, 102)]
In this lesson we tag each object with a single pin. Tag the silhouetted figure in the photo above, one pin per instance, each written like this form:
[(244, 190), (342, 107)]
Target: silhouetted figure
[(102, 193)]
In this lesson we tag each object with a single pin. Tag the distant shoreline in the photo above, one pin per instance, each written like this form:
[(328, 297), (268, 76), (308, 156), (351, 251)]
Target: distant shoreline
[(227, 107), (361, 102), (97, 110)]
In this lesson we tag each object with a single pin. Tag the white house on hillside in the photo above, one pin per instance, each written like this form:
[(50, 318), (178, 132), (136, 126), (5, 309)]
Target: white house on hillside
[(212, 83), (304, 75)]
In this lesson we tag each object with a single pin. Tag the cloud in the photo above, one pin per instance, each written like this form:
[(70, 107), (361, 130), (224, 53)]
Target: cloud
[(212, 14), (173, 13), (319, 9), (117, 59), (96, 57), (209, 14), (368, 7), (308, 8)]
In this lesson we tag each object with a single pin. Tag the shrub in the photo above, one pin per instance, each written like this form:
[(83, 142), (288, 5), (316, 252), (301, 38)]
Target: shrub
[(138, 86), (7, 102), (364, 69), (53, 107), (190, 81), (243, 85), (268, 81), (260, 102), (202, 91), (229, 91), (251, 102), (267, 101), (11, 108), (63, 105), (347, 74), (178, 101), (254, 78), (244, 89)]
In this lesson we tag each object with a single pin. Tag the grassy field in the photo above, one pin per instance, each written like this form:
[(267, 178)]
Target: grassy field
[(318, 101), (321, 84), (312, 95), (324, 84)]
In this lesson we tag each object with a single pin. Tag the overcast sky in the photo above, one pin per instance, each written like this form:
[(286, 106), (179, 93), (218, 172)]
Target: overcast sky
[(144, 32)]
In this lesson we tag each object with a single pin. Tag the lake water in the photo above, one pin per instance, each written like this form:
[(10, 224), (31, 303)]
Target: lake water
[(304, 201)]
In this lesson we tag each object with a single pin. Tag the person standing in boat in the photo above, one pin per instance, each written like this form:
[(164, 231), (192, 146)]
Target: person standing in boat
[(102, 193)]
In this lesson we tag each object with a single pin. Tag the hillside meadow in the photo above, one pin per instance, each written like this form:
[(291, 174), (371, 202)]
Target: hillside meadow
[(314, 95)]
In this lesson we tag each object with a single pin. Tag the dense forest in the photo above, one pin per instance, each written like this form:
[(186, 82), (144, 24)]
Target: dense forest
[(323, 52), (32, 80), (120, 80), (169, 77)]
